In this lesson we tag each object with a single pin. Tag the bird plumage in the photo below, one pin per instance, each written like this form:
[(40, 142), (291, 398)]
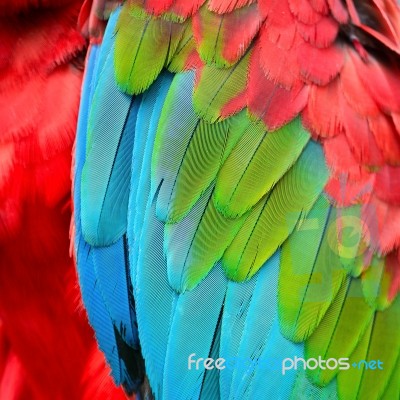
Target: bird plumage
[(47, 346), (257, 196)]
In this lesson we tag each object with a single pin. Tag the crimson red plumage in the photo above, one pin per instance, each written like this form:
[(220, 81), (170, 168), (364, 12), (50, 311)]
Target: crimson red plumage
[(47, 349), (279, 65), (275, 105), (323, 110), (312, 70), (304, 11), (224, 6)]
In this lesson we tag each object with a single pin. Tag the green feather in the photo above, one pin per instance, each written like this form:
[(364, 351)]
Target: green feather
[(384, 345), (358, 265), (185, 50), (376, 283), (199, 167), (393, 388), (215, 30), (350, 231), (196, 243), (310, 274), (234, 269), (348, 381), (142, 47), (340, 330), (304, 389), (256, 164), (208, 148), (381, 342), (213, 37), (290, 200), (176, 126), (216, 87)]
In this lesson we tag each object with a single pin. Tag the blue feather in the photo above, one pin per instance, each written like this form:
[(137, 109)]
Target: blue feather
[(211, 382), (146, 127), (98, 316), (256, 330), (179, 238), (97, 313), (106, 172), (178, 121), (276, 350), (237, 302), (192, 331), (117, 353), (116, 288), (155, 299), (262, 347)]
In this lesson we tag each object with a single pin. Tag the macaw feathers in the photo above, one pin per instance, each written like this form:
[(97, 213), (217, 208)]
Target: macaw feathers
[(364, 381), (213, 30), (218, 93), (110, 145), (142, 47), (278, 69), (248, 181), (307, 288), (256, 164)]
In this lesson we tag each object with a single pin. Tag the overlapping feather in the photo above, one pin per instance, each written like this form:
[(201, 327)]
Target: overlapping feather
[(236, 186)]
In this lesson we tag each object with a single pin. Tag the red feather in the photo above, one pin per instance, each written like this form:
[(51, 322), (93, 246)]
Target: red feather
[(320, 6), (354, 91), (383, 221), (49, 349), (386, 137), (387, 185), (157, 7), (275, 105), (225, 6), (304, 11), (320, 66), (184, 8), (8, 7), (13, 384), (338, 11), (345, 193), (322, 114), (341, 159), (321, 34), (382, 83), (361, 140), (279, 22), (32, 50), (280, 65), (242, 26)]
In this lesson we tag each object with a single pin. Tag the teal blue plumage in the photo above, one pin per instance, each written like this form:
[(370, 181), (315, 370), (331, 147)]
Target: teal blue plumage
[(112, 315)]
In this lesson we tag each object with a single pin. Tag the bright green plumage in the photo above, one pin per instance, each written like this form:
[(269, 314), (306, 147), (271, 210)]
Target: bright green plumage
[(142, 47), (308, 287), (217, 86), (257, 163)]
